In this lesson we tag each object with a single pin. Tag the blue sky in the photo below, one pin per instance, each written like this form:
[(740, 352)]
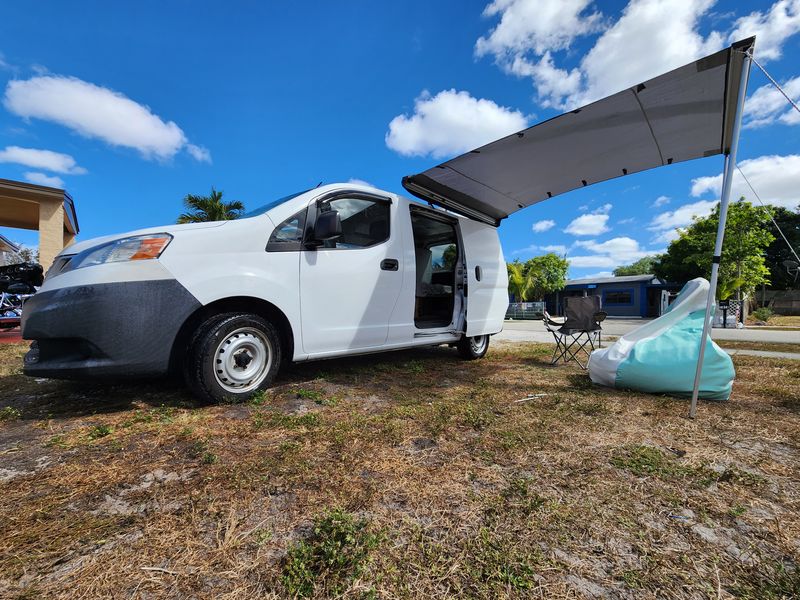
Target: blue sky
[(133, 105)]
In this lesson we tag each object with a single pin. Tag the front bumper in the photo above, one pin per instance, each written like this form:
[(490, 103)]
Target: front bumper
[(104, 330)]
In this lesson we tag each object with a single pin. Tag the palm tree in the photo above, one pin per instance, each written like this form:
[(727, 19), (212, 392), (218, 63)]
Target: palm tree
[(209, 208), (517, 281)]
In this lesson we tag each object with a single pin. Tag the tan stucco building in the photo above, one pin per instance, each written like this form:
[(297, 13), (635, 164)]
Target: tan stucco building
[(49, 210)]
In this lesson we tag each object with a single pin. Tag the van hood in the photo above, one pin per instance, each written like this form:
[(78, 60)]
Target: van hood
[(171, 229)]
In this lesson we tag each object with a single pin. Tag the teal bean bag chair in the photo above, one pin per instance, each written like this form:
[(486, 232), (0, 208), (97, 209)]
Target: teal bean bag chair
[(661, 356)]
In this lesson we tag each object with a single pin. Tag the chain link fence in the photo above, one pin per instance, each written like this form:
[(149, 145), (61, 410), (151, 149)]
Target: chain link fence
[(525, 310)]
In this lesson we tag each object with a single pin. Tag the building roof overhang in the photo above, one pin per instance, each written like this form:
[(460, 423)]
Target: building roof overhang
[(19, 205)]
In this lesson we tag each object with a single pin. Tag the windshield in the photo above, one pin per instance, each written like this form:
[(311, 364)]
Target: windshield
[(269, 206)]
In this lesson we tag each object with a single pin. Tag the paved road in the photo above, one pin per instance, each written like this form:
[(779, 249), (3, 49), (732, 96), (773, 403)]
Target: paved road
[(534, 331)]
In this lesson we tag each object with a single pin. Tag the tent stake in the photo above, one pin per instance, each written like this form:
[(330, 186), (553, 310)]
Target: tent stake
[(727, 180)]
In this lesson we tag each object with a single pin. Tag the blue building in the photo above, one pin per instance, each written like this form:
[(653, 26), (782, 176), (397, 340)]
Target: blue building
[(628, 296)]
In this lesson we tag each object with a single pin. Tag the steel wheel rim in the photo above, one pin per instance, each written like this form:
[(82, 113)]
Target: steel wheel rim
[(478, 343), (242, 360)]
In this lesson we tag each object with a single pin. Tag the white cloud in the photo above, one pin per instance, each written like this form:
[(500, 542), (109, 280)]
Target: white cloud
[(593, 224), (609, 254), (598, 275), (544, 225), (534, 249), (649, 38), (604, 209), (626, 221), (660, 201), (666, 236), (772, 28), (539, 25), (529, 31), (591, 261), (527, 250), (98, 112), (775, 178), (767, 105), (41, 159), (666, 223), (449, 123), (622, 249), (43, 179), (199, 153), (645, 25), (357, 181)]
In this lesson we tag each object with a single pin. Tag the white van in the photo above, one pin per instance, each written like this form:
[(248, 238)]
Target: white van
[(333, 271)]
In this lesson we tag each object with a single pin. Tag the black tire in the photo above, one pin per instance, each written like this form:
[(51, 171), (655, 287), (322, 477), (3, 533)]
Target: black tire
[(214, 376), (472, 348)]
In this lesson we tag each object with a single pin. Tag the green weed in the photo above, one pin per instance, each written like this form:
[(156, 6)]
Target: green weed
[(9, 413), (258, 398), (263, 420), (336, 552), (497, 563), (771, 582), (100, 431), (646, 460), (415, 367), (308, 394), (163, 414), (199, 449)]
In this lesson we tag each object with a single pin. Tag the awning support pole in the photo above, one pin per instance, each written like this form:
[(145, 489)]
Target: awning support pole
[(727, 180)]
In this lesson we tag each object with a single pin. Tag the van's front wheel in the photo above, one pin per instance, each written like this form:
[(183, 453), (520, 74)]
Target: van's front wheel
[(473, 347), (232, 356)]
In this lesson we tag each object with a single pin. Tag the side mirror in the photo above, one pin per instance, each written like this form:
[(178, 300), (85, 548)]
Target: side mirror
[(328, 226)]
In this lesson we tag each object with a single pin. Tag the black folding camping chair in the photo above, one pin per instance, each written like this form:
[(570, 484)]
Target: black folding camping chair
[(578, 333)]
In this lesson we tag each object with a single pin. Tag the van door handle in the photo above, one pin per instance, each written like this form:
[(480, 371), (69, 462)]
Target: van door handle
[(390, 264)]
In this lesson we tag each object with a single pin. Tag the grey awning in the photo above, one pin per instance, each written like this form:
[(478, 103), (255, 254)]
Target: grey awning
[(681, 115)]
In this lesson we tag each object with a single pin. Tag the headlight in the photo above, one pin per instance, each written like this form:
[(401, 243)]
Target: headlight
[(139, 247)]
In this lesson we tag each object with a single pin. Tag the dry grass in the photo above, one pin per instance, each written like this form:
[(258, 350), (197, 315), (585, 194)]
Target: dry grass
[(751, 345), (779, 321), (406, 475)]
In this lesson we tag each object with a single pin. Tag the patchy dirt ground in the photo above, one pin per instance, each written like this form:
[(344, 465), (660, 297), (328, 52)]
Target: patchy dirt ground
[(406, 475)]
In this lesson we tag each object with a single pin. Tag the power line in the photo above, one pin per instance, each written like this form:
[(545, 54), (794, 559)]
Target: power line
[(768, 212)]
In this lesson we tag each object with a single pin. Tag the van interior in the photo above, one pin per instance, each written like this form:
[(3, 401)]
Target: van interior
[(438, 256)]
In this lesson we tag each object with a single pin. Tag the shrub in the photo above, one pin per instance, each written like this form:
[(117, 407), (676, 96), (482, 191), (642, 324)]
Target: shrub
[(763, 313)]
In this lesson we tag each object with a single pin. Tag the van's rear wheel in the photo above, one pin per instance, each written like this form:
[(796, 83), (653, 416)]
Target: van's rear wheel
[(231, 356), (473, 347)]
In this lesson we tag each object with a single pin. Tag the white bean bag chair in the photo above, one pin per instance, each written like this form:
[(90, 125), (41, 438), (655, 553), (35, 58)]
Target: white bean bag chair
[(661, 356)]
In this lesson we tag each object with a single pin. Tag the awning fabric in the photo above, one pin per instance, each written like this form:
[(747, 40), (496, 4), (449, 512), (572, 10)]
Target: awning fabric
[(681, 115)]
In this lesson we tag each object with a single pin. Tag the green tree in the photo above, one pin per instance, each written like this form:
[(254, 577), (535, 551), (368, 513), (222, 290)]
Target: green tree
[(643, 266), (536, 277), (778, 252), (449, 257), (546, 274), (29, 254), (209, 208), (742, 267), (516, 280)]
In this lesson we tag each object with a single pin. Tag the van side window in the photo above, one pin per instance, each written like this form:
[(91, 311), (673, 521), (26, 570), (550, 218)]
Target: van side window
[(288, 236), (364, 222)]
